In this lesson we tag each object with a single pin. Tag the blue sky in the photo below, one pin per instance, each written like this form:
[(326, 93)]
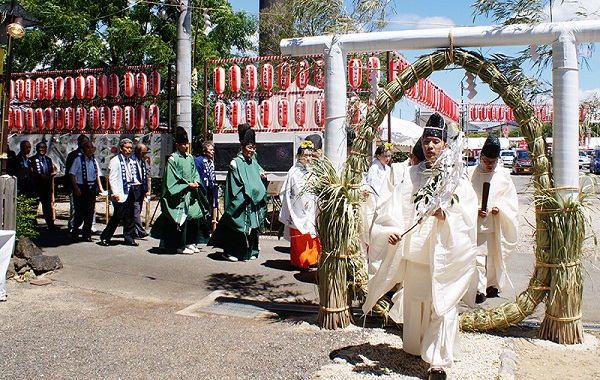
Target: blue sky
[(425, 14)]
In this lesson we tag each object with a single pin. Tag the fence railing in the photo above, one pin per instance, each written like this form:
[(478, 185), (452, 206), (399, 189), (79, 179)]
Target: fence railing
[(8, 202)]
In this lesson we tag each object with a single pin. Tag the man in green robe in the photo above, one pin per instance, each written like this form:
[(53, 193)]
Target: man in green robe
[(183, 202), (245, 203)]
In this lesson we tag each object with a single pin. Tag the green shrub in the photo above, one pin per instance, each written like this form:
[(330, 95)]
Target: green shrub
[(26, 214)]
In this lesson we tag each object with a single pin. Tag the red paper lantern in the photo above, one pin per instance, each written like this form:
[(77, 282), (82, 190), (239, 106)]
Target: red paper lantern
[(29, 89), (94, 116), (39, 119), (318, 73), (300, 112), (284, 75), (116, 117), (355, 73), (266, 77), (219, 114), (49, 88), (102, 86), (69, 88), (80, 118), (69, 118), (11, 118), (129, 84), (80, 87), (59, 88), (129, 118), (283, 112), (235, 78), (113, 85), (235, 113), (104, 117), (154, 83), (141, 84), (11, 90), (320, 111), (302, 74), (393, 69), (219, 79), (19, 122), (250, 77), (265, 113), (29, 116), (49, 119), (140, 117), (59, 118), (153, 116), (90, 87), (251, 112), (373, 66), (20, 89)]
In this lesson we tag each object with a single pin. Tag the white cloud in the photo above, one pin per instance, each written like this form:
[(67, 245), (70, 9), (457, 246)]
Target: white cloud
[(567, 10), (586, 94), (413, 21)]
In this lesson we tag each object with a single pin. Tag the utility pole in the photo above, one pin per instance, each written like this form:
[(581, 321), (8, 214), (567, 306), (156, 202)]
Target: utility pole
[(183, 109)]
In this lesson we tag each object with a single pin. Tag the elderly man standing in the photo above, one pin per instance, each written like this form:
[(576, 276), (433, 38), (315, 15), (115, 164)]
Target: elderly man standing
[(143, 177), (85, 182), (497, 220), (124, 191), (436, 262), (19, 167), (206, 170), (42, 171), (81, 141)]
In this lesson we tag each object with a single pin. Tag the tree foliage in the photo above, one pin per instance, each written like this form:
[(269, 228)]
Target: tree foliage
[(299, 18)]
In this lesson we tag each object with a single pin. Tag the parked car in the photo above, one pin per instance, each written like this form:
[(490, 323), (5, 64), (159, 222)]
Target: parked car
[(584, 160), (522, 163), (595, 161), (508, 157)]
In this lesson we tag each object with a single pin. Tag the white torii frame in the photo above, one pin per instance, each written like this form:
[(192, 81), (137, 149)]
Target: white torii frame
[(565, 75)]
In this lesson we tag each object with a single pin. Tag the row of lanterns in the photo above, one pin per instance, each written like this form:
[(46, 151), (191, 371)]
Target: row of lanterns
[(502, 112), (262, 113), (85, 87), (264, 76), (103, 118)]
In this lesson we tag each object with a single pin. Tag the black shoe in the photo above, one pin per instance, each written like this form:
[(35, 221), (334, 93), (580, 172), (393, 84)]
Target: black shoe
[(492, 292), (437, 374), (74, 238), (142, 235), (131, 241), (87, 238), (480, 298), (103, 242)]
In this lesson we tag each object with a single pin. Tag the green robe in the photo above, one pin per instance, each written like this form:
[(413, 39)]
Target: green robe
[(182, 208), (245, 208)]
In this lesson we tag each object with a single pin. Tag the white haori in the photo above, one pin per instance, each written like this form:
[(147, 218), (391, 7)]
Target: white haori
[(298, 205), (496, 234), (372, 184)]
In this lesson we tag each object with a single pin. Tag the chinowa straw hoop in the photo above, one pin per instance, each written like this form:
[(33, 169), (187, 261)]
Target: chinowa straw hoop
[(560, 222)]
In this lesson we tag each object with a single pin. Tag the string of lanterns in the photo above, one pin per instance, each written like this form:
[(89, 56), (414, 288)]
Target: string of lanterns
[(58, 103)]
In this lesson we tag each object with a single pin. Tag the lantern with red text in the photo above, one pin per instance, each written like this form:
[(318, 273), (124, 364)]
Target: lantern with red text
[(284, 75), (39, 91), (320, 111), (129, 84), (318, 73), (116, 117), (113, 85), (11, 118), (80, 118), (219, 79), (300, 112), (264, 113), (153, 116), (141, 84), (90, 87), (283, 112), (266, 77), (59, 88), (29, 89), (235, 113), (373, 66), (235, 78), (154, 83), (251, 112), (69, 118), (140, 117), (355, 73), (69, 88), (39, 119), (19, 119), (302, 74), (102, 86), (354, 110), (219, 114), (20, 89), (59, 118), (80, 87), (29, 116), (49, 118), (105, 117), (94, 117), (250, 77), (128, 118)]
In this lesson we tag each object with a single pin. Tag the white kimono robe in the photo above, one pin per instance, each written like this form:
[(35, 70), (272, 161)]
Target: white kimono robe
[(442, 252), (496, 234), (298, 209), (372, 184)]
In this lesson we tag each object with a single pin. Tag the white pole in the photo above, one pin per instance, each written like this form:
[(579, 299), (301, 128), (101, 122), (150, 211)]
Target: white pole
[(565, 132), (335, 106), (183, 115)]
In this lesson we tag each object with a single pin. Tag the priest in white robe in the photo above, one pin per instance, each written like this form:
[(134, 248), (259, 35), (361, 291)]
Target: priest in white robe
[(496, 224), (435, 262)]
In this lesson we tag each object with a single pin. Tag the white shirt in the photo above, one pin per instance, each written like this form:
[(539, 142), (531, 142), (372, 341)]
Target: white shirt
[(90, 164)]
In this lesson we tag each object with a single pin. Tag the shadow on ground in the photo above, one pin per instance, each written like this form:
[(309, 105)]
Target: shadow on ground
[(252, 286)]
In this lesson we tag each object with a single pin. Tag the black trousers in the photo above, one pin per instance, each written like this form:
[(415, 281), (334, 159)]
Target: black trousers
[(138, 226), (84, 210), (123, 212), (45, 198)]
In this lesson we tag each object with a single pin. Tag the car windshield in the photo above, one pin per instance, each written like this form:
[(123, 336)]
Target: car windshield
[(507, 154), (522, 155)]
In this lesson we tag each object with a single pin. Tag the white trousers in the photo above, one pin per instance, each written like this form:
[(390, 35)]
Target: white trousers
[(486, 264), (426, 333)]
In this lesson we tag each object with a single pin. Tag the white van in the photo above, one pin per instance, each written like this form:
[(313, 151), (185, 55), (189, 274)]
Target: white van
[(508, 157)]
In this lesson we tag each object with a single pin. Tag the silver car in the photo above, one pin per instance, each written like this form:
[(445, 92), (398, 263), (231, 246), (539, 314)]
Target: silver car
[(508, 157)]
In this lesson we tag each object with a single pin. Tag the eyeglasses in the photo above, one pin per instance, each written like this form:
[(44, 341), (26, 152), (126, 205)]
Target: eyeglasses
[(251, 147)]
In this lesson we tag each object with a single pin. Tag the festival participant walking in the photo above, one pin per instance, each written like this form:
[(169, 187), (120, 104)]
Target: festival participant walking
[(124, 191), (19, 167), (206, 170), (143, 177), (245, 203), (85, 182), (183, 203), (298, 211), (435, 263), (497, 220), (42, 172)]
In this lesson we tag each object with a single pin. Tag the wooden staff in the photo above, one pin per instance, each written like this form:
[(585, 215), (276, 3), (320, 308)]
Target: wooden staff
[(214, 218), (485, 195)]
